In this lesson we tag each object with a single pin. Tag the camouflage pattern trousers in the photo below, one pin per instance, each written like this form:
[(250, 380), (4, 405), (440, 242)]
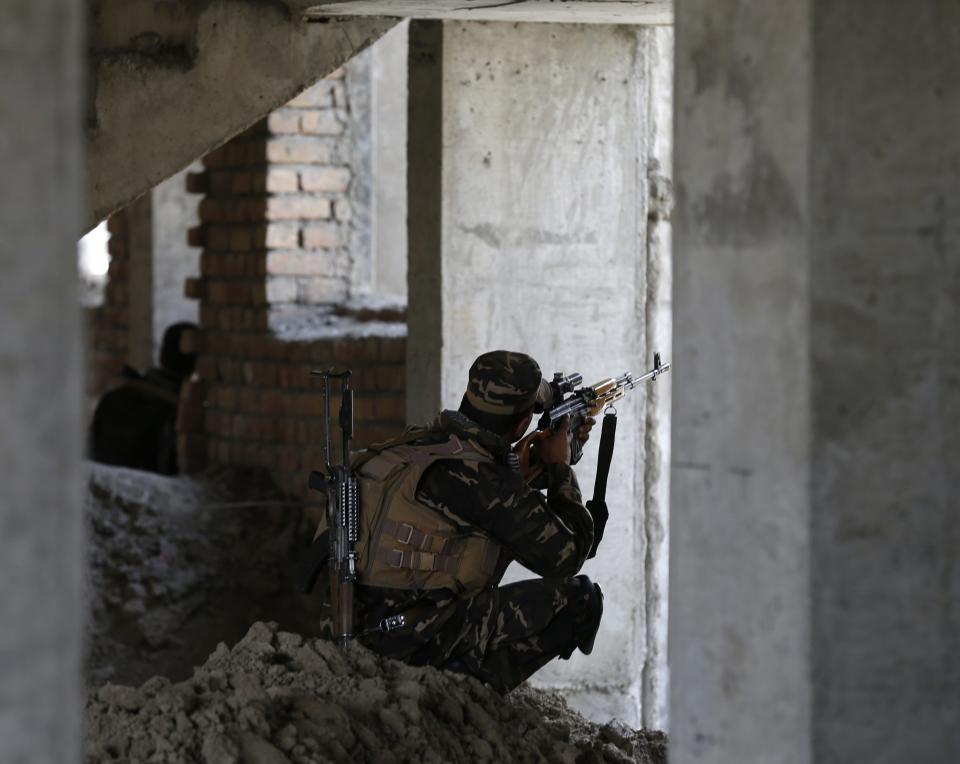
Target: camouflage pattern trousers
[(502, 635)]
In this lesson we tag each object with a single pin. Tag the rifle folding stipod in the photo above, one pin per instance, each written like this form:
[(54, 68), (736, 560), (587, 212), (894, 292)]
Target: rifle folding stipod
[(343, 507)]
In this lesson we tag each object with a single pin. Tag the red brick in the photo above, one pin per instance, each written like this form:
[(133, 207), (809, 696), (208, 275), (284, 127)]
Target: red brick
[(321, 236), (208, 316), (389, 378), (281, 180), (241, 183), (281, 290), (197, 182), (316, 96), (117, 224), (290, 459), (390, 407), (117, 246), (196, 236), (211, 211), (218, 238), (298, 150), (217, 157), (299, 353), (193, 288), (280, 235), (328, 179), (284, 121), (297, 208), (393, 349), (297, 263), (321, 122), (219, 182), (206, 367), (366, 349), (227, 292), (363, 407), (227, 398)]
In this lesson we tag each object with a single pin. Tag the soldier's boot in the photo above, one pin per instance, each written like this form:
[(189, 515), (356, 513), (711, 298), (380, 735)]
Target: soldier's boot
[(587, 633)]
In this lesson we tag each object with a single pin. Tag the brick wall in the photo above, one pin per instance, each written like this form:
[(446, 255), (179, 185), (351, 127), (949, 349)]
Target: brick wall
[(275, 229), (108, 325), (281, 188)]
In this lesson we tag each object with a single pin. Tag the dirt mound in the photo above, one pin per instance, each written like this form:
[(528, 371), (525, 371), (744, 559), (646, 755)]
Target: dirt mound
[(178, 564), (277, 697)]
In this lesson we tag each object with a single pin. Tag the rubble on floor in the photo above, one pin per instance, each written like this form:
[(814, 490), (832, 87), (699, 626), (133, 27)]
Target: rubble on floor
[(178, 564), (277, 697)]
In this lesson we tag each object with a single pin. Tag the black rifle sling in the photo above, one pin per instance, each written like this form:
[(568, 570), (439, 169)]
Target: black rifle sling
[(608, 434), (597, 506)]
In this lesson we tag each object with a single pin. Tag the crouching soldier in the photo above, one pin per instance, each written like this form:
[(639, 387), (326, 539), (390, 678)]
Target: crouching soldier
[(444, 511)]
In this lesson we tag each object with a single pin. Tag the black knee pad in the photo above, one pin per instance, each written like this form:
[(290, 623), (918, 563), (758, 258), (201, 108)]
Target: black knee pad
[(587, 632)]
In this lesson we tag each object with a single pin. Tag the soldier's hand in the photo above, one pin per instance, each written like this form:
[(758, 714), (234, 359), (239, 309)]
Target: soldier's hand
[(583, 432), (555, 447)]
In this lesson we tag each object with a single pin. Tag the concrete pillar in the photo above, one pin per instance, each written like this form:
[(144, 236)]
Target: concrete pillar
[(528, 218), (389, 161), (814, 593), (160, 262), (41, 555)]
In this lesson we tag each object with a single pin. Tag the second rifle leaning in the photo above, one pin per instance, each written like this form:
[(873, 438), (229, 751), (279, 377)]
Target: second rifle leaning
[(343, 507)]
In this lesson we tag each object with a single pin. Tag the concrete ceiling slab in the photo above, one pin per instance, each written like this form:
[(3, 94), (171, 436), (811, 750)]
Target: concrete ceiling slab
[(647, 12)]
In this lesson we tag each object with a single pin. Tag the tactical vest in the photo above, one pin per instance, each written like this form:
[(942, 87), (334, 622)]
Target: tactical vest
[(404, 544)]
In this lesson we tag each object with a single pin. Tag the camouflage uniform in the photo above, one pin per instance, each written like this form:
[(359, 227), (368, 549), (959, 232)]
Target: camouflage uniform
[(502, 634)]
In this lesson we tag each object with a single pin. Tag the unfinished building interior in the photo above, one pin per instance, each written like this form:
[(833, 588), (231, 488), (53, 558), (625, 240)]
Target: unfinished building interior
[(760, 192)]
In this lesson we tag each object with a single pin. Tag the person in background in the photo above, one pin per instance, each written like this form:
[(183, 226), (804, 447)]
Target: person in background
[(134, 424)]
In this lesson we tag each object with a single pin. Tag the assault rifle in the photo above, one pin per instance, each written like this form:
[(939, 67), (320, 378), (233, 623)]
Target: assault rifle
[(343, 508), (579, 404)]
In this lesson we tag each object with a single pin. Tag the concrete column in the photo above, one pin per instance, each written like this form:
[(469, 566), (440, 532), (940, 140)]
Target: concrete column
[(814, 594), (41, 551), (160, 262), (140, 332), (528, 218), (389, 136)]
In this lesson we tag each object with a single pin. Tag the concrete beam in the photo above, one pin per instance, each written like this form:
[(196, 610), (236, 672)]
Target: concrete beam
[(649, 12), (172, 81), (41, 537)]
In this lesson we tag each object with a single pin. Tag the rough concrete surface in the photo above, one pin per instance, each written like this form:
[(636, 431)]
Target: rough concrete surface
[(277, 697), (178, 564), (531, 233), (885, 364), (166, 87), (814, 584), (41, 535)]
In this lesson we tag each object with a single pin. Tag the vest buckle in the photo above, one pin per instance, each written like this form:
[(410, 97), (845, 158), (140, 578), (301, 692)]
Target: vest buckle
[(409, 529)]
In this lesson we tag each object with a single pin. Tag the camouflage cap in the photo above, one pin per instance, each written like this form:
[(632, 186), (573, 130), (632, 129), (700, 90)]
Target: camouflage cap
[(502, 382)]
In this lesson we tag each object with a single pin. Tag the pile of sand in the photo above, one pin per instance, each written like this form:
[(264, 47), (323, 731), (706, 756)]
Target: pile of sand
[(178, 564), (277, 697)]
